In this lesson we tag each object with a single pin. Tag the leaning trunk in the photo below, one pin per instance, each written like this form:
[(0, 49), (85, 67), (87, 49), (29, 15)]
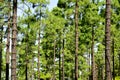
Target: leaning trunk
[(107, 42)]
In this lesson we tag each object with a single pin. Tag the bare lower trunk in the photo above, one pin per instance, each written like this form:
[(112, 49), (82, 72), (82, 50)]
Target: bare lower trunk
[(27, 52), (63, 61), (107, 42), (8, 43), (54, 61), (14, 41), (39, 55), (76, 40), (59, 62), (92, 56), (119, 65), (113, 60), (26, 70)]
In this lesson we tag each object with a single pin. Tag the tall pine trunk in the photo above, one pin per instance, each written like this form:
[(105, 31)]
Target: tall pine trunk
[(39, 55), (14, 41), (107, 42), (1, 36), (76, 40), (8, 42), (59, 59), (26, 65), (39, 47), (27, 51), (63, 59), (119, 65), (92, 56), (54, 60), (113, 59)]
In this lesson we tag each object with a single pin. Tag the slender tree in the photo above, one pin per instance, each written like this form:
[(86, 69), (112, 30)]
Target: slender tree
[(113, 59), (39, 55), (8, 42), (63, 58), (119, 64), (26, 65), (59, 57), (39, 49), (107, 42), (27, 51), (92, 56), (14, 42), (76, 40), (54, 60), (1, 36)]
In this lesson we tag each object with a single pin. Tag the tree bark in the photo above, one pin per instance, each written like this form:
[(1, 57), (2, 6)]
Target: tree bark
[(63, 60), (59, 60), (119, 65), (26, 70), (14, 41), (8, 42), (107, 42), (76, 40), (92, 56), (54, 60), (39, 55), (113, 59), (27, 52)]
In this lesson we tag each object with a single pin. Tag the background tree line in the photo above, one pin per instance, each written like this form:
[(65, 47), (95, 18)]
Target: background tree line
[(76, 40)]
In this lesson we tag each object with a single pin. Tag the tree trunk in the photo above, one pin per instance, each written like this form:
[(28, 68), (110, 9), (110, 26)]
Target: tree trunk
[(107, 42), (54, 60), (27, 51), (1, 36), (39, 55), (26, 70), (76, 40), (92, 56), (113, 60), (59, 61), (119, 65), (89, 62), (27, 61), (63, 60), (14, 41), (8, 42)]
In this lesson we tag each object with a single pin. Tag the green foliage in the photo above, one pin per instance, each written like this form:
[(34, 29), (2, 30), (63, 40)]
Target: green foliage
[(58, 25), (117, 78)]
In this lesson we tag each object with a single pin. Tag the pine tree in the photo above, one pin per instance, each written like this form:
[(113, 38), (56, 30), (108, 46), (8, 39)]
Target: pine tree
[(14, 42), (63, 52), (107, 42), (8, 42), (39, 47), (54, 77), (76, 40), (92, 56)]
